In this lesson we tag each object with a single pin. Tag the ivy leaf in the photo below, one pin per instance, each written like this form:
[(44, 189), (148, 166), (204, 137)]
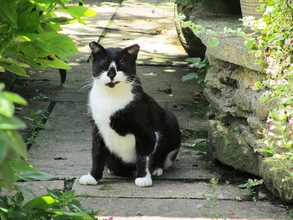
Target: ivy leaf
[(213, 41), (185, 24)]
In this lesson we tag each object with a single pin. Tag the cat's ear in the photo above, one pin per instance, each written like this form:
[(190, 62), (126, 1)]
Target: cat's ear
[(95, 47), (133, 50)]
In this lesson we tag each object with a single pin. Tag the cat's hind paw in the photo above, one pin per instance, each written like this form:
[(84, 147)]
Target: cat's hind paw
[(157, 172), (144, 181), (88, 179)]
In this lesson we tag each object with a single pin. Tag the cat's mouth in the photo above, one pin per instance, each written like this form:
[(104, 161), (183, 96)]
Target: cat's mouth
[(112, 84)]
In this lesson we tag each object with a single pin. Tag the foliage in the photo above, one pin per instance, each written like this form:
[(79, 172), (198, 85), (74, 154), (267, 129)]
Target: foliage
[(250, 186), (212, 197), (12, 146), (14, 167), (53, 205), (29, 34), (37, 118), (213, 39), (200, 67), (273, 47)]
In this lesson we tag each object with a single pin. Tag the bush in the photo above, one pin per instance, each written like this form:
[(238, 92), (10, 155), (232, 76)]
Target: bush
[(14, 167), (29, 34)]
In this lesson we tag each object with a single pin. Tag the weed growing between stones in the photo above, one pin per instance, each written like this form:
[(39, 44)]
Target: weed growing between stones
[(212, 198), (38, 119), (252, 187)]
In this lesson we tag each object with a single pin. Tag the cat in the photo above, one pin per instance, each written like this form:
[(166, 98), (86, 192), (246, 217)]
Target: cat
[(131, 132)]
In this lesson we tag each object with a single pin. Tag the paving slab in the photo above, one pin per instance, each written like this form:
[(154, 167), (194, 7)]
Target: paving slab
[(184, 208), (160, 190), (153, 30), (66, 153), (94, 28)]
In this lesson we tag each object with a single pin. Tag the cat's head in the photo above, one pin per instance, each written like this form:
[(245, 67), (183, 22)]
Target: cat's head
[(113, 66)]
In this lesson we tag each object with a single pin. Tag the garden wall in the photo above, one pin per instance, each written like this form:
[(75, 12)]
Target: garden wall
[(239, 113)]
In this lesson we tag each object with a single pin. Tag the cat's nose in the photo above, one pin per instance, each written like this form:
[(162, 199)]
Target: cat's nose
[(111, 73)]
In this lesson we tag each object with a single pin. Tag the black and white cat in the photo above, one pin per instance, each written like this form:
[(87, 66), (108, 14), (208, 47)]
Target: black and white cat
[(131, 132)]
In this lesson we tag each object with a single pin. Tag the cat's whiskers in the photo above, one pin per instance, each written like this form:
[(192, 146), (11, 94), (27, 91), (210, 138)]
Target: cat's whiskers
[(87, 86)]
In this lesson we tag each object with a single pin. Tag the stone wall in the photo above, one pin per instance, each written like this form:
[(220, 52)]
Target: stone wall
[(239, 113), (239, 118)]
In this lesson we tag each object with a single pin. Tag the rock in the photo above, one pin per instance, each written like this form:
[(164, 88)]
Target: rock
[(275, 181), (231, 145)]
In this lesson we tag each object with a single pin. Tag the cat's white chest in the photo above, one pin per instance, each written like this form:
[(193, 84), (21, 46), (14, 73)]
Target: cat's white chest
[(103, 104)]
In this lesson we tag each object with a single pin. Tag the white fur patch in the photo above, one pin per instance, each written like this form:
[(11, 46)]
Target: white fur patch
[(144, 181), (157, 172), (87, 179), (104, 102), (147, 179), (168, 161)]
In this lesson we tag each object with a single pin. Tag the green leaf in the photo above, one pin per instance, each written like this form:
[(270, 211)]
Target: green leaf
[(25, 171), (185, 24), (250, 43), (11, 123), (28, 19), (43, 202), (6, 107), (77, 12), (4, 146), (26, 191), (2, 86), (8, 11), (213, 41), (65, 215), (16, 143), (190, 76), (194, 60), (14, 68), (60, 20), (15, 98), (6, 174), (22, 166), (32, 176), (59, 44)]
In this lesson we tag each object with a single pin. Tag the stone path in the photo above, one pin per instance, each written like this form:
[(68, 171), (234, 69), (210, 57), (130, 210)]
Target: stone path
[(62, 148)]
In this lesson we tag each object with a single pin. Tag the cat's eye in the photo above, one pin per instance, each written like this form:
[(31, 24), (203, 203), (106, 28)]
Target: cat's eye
[(103, 63), (121, 66)]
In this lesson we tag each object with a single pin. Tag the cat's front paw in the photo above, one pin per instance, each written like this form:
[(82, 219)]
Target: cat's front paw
[(144, 181), (158, 172), (88, 179)]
